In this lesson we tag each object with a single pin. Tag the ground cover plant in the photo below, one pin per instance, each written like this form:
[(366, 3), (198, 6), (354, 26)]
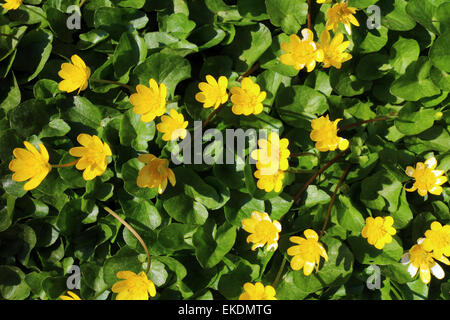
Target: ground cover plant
[(224, 149)]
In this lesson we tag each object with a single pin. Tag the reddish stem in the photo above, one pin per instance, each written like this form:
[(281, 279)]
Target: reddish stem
[(311, 180), (309, 14), (344, 175)]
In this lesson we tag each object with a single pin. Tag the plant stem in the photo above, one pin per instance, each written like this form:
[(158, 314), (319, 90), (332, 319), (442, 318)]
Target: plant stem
[(130, 88), (311, 180), (115, 215), (359, 123), (309, 14), (280, 271), (81, 3), (330, 206), (302, 154), (9, 36), (211, 115), (249, 72), (65, 165)]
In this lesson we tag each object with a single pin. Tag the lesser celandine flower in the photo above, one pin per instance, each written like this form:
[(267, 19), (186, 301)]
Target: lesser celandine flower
[(333, 50), (150, 102), (306, 254), (324, 133), (134, 287), (273, 154), (93, 155), (76, 75), (323, 1), (213, 92), (301, 53), (263, 230), (420, 259), (12, 4), (427, 178), (155, 173), (172, 126), (379, 231), (437, 239), (257, 291), (269, 182), (71, 296), (248, 98), (30, 164), (341, 13)]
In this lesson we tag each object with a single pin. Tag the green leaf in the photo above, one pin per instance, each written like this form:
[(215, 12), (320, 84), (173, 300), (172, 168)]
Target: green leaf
[(12, 283), (396, 17), (185, 209), (413, 120), (83, 111), (403, 52), (415, 83), (368, 254), (298, 105), (290, 15), (252, 9), (116, 21), (130, 51), (134, 132), (164, 68), (240, 207), (439, 52), (142, 212), (213, 242), (125, 259), (348, 216)]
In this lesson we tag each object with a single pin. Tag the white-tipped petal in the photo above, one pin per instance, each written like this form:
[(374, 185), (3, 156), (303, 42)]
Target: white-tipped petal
[(437, 271), (412, 270)]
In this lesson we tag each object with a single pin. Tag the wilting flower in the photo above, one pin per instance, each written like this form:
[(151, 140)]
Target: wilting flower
[(93, 155), (76, 75), (420, 259), (341, 13), (427, 179), (301, 52), (437, 239), (155, 173), (150, 101), (71, 296), (263, 230), (134, 287), (212, 93), (333, 50), (257, 291), (30, 164), (248, 98), (12, 4), (269, 182), (306, 254), (273, 154), (172, 126), (324, 133), (379, 231)]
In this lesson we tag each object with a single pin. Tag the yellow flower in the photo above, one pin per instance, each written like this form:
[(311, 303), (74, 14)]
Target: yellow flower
[(172, 126), (257, 291), (212, 93), (92, 155), (269, 182), (437, 239), (379, 231), (248, 98), (75, 75), (341, 13), (324, 133), (150, 101), (12, 4), (324, 1), (307, 253), (333, 52), (273, 154), (72, 296), (427, 179), (420, 259), (134, 287), (155, 173), (301, 52), (30, 164), (263, 230)]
